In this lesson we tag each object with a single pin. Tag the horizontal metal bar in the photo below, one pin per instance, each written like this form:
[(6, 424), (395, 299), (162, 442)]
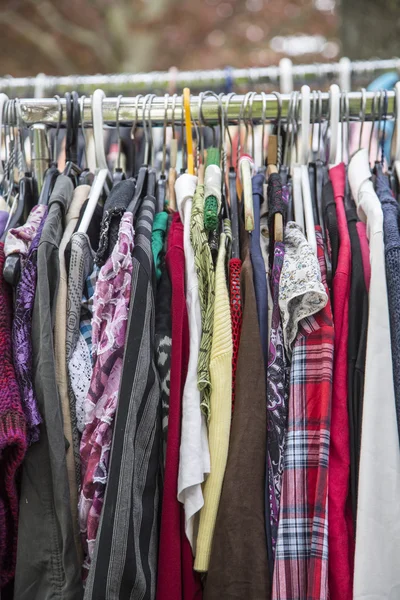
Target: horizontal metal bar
[(161, 110), (197, 80)]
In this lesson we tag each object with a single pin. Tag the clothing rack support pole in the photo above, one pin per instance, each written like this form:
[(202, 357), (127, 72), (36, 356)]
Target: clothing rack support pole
[(46, 111), (159, 81)]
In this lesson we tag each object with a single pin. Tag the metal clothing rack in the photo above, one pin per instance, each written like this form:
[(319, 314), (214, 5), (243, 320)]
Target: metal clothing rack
[(207, 110), (281, 76)]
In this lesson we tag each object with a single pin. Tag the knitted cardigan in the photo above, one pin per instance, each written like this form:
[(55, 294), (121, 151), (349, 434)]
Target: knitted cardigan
[(13, 436), (391, 235)]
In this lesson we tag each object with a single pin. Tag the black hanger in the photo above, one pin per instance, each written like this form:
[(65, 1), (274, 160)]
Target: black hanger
[(118, 174), (234, 213), (72, 169), (137, 196), (312, 180), (161, 193), (50, 178), (151, 182)]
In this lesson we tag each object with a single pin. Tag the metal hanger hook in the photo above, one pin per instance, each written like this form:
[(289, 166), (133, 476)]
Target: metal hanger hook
[(373, 113), (240, 120), (117, 128), (135, 120), (201, 127), (209, 94), (60, 116), (278, 126), (82, 102), (164, 151), (362, 114), (250, 121), (226, 111), (380, 110)]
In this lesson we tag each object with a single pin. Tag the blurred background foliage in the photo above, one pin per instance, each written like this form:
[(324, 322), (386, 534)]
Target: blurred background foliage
[(93, 36)]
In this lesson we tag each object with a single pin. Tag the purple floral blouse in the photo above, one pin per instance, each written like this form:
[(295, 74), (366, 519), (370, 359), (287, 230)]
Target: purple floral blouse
[(22, 324), (109, 324)]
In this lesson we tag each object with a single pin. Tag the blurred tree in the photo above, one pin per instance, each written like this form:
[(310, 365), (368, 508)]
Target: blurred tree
[(370, 28), (91, 36)]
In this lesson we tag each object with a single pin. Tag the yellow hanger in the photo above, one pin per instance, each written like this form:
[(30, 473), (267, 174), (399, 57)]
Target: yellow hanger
[(188, 127)]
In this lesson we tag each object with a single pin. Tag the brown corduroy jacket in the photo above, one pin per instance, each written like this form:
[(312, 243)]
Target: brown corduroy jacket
[(238, 566)]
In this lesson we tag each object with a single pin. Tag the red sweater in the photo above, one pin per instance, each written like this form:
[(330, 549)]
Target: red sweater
[(341, 534), (176, 579)]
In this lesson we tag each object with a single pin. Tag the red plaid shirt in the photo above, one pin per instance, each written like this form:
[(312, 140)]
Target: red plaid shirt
[(301, 562)]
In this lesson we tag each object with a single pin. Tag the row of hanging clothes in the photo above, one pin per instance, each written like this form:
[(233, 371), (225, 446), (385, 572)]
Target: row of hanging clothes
[(199, 374)]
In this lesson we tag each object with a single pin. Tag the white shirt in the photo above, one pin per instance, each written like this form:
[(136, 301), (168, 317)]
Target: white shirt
[(377, 558), (194, 461)]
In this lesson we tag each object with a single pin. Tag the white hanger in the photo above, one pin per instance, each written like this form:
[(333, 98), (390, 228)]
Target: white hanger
[(295, 166), (98, 133), (102, 172), (359, 172), (94, 195), (286, 75), (345, 74), (303, 159), (334, 103)]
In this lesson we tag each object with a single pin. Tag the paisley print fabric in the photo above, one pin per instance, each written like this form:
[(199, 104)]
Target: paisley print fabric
[(21, 336), (110, 317), (277, 370), (19, 239), (277, 396)]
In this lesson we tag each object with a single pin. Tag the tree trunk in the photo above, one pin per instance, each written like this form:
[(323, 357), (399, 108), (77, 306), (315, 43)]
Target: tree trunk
[(370, 28)]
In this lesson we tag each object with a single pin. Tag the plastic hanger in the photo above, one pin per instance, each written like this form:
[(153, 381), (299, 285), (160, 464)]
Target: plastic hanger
[(348, 201), (319, 169), (52, 172), (246, 167), (86, 177), (144, 170), (295, 167), (27, 198), (286, 75), (334, 112), (97, 115), (16, 217), (272, 161), (161, 189), (173, 154), (102, 178), (232, 190), (303, 159), (118, 174), (72, 169)]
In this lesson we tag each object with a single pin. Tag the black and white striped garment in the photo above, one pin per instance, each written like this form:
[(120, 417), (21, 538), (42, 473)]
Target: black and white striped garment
[(124, 564)]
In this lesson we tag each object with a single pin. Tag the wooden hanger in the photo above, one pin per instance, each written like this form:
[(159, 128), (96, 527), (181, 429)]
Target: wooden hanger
[(272, 159)]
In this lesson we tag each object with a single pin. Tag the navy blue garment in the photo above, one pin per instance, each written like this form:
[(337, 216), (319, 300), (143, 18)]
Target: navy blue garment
[(261, 291), (391, 235)]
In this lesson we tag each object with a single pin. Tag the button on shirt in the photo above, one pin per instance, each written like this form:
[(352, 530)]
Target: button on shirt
[(376, 571)]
